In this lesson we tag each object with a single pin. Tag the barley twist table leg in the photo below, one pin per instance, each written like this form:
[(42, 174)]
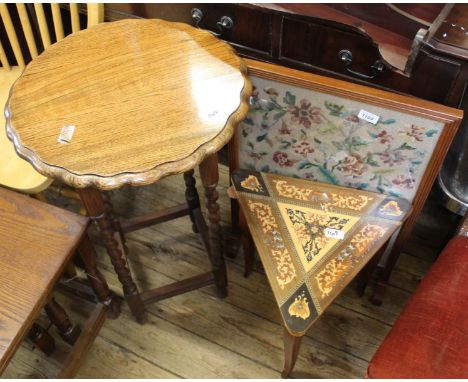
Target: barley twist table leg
[(96, 279), (191, 195), (92, 199), (61, 321), (210, 176)]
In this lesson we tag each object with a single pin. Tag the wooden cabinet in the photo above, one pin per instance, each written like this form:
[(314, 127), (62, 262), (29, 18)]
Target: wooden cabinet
[(310, 37)]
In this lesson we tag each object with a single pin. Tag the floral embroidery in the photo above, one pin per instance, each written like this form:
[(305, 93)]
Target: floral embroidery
[(298, 132), (264, 215), (353, 166), (299, 308), (391, 209), (282, 159), (347, 259), (251, 183), (310, 229), (305, 114), (284, 266)]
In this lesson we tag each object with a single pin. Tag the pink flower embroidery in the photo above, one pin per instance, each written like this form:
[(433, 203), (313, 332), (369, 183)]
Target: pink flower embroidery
[(352, 118), (303, 148), (353, 165), (392, 158), (282, 159), (384, 137), (306, 114), (415, 133), (403, 181)]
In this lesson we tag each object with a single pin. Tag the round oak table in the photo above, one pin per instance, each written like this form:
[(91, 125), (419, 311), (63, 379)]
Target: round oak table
[(130, 102)]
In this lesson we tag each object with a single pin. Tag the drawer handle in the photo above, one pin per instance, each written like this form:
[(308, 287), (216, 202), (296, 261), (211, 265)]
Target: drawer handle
[(347, 57), (225, 22)]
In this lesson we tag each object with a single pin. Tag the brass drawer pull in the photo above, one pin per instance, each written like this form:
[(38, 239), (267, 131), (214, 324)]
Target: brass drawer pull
[(347, 57), (225, 22)]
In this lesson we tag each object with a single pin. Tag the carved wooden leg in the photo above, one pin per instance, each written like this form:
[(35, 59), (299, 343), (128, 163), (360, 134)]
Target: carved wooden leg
[(43, 340), (247, 245), (291, 350), (96, 279), (113, 219), (191, 195), (61, 321), (210, 177), (94, 204)]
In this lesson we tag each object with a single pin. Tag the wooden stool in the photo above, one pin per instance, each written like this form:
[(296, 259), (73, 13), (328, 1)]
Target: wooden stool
[(313, 239), (37, 241)]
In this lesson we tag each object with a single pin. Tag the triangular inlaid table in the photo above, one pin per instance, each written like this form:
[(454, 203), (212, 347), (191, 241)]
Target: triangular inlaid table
[(313, 239)]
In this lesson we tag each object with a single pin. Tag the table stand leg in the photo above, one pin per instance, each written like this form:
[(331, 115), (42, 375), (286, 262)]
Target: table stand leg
[(191, 195), (210, 177), (248, 245), (96, 279), (61, 321), (94, 204), (291, 350), (43, 340)]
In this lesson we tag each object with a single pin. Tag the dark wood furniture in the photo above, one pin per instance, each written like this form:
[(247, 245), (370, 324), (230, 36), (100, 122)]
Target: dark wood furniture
[(415, 49), (37, 241), (429, 338), (146, 99), (313, 239)]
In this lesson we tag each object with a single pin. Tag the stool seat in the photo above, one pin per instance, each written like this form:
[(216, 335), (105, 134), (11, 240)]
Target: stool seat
[(430, 337), (37, 240)]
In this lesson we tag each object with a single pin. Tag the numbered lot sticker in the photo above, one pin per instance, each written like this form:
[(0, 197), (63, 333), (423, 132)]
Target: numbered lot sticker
[(334, 233), (66, 134), (369, 117)]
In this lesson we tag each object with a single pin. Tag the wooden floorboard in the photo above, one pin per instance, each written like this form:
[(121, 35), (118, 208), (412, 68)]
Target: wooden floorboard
[(197, 335)]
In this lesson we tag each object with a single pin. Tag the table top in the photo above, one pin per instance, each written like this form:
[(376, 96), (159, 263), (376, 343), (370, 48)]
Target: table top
[(313, 238), (147, 98), (36, 242)]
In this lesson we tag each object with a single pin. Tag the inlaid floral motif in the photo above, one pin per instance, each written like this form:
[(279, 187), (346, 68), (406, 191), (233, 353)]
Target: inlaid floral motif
[(251, 183), (391, 209), (299, 308), (302, 133), (310, 230), (340, 200), (264, 215), (347, 259), (284, 266)]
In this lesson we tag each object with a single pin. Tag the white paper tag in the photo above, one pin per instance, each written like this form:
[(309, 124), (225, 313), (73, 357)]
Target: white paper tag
[(369, 117), (66, 134), (334, 233)]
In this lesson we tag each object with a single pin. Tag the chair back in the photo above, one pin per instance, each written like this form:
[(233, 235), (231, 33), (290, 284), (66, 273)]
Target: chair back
[(34, 26)]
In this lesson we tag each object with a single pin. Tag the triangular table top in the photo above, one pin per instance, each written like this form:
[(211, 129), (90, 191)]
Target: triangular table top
[(313, 238)]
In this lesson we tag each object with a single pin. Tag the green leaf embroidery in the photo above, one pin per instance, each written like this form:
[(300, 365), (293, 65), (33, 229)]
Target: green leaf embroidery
[(289, 99), (431, 132), (261, 137), (387, 121), (248, 121), (334, 109), (279, 115), (304, 165), (405, 146)]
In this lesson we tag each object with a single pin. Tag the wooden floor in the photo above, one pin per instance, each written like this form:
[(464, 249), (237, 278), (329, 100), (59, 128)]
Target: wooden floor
[(196, 335)]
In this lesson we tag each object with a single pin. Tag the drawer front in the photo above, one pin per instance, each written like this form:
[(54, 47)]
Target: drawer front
[(249, 28)]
